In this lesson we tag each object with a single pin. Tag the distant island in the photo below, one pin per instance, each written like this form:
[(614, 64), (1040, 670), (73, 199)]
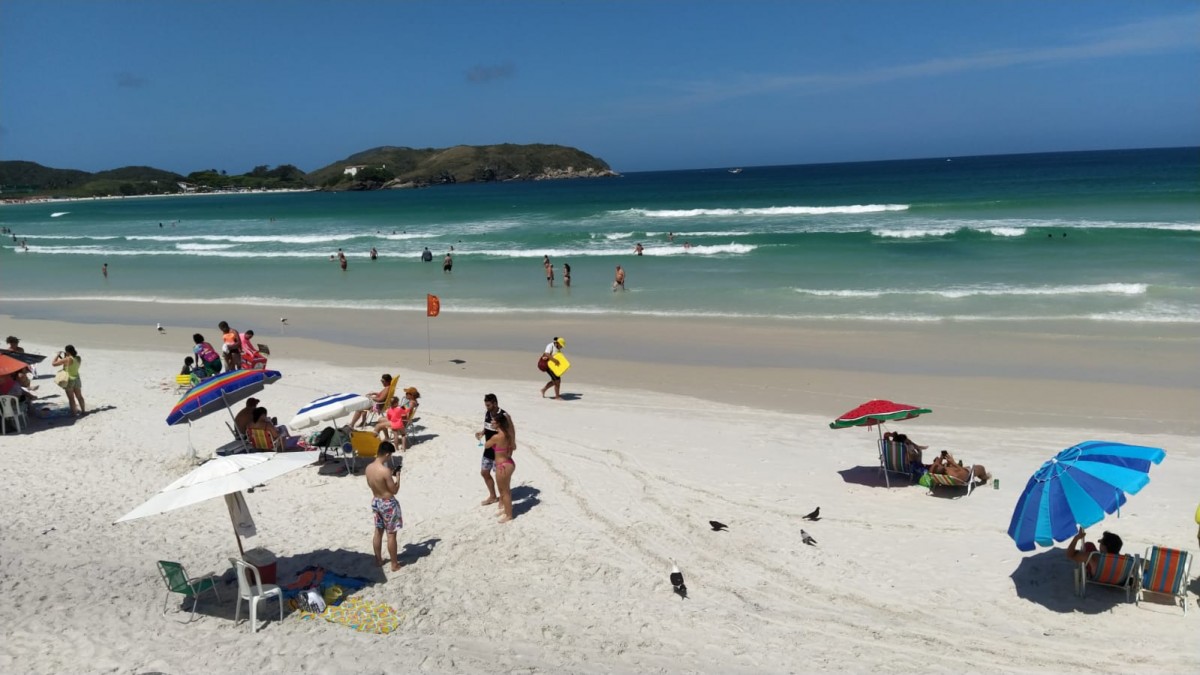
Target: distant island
[(380, 168)]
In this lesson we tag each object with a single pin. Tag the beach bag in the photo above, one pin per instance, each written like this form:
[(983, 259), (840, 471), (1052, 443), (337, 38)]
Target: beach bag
[(61, 378), (543, 363), (323, 438)]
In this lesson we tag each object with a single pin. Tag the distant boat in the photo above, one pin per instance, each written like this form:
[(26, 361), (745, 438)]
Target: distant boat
[(59, 213), (735, 170)]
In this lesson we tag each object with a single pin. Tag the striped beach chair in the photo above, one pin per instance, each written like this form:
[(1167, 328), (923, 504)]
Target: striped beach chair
[(1165, 572), (1112, 570), (893, 459), (944, 480)]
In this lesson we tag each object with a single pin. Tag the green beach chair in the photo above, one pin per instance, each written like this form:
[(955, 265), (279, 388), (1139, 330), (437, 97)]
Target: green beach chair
[(1112, 570), (177, 581), (943, 480), (1165, 572)]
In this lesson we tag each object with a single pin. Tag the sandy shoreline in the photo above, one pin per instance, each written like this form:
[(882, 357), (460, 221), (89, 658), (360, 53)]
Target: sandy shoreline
[(1120, 377), (610, 486)]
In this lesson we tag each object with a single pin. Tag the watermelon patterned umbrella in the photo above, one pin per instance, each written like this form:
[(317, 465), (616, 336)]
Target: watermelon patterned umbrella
[(877, 412)]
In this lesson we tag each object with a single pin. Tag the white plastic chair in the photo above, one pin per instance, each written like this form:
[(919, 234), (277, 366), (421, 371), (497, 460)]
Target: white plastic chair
[(10, 407), (253, 594)]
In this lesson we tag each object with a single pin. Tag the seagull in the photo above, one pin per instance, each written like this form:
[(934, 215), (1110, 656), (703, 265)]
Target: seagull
[(677, 580), (161, 329), (815, 515), (283, 320), (717, 527), (807, 538)]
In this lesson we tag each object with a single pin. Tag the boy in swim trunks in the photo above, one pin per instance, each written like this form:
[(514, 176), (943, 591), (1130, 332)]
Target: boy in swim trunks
[(381, 478)]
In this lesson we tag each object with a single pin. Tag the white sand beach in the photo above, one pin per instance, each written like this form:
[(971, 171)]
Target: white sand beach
[(610, 486)]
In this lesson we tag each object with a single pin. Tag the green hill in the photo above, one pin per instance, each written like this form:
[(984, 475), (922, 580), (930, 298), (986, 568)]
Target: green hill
[(390, 166), (385, 167)]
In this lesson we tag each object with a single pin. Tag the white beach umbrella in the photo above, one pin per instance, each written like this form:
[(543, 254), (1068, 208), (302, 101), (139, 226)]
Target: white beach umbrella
[(328, 408), (223, 476)]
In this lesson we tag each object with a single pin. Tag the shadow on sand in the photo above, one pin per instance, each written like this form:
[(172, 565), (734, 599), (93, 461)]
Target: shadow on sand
[(1047, 579), (342, 562), (524, 498)]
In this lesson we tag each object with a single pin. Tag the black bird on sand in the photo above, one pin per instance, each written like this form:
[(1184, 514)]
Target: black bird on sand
[(677, 580), (815, 515), (807, 538), (717, 527)]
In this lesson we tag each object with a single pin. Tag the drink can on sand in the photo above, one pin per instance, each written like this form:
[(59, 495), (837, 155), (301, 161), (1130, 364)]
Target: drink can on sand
[(995, 483)]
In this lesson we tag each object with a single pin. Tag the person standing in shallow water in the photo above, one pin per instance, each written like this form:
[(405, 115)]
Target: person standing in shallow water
[(566, 275), (104, 270), (447, 264)]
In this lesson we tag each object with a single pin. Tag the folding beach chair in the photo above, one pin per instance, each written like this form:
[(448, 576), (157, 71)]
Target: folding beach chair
[(1165, 571), (376, 412), (178, 581), (946, 480), (893, 458), (1112, 570)]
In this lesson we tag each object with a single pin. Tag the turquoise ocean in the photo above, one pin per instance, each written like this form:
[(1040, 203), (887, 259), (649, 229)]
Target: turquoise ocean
[(1110, 236)]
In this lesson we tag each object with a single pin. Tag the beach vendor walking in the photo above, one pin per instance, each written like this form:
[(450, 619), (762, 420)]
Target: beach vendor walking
[(381, 478), (549, 355), (69, 360)]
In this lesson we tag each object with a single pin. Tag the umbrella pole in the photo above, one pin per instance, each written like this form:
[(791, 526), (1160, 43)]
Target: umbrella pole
[(241, 551)]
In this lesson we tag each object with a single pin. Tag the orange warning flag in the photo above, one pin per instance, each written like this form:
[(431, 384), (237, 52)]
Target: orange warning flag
[(432, 305)]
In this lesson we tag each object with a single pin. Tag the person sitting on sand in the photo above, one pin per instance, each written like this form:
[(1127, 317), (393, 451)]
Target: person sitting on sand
[(378, 400), (946, 464), (1109, 543)]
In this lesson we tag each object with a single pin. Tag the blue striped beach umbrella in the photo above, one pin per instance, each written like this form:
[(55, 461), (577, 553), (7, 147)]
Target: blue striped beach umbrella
[(328, 408), (1077, 488)]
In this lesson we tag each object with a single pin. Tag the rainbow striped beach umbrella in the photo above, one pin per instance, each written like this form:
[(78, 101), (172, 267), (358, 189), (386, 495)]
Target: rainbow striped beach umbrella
[(1076, 488), (219, 392)]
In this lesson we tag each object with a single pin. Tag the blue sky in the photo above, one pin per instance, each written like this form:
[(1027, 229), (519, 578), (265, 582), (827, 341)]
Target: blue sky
[(185, 85)]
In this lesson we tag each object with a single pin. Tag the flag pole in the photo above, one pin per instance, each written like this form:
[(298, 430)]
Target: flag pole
[(428, 353)]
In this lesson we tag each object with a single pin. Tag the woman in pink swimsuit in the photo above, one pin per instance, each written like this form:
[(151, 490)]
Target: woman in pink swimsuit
[(504, 443)]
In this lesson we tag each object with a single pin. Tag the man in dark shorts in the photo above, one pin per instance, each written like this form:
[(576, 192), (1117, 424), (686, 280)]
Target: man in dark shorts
[(447, 264), (488, 464), (381, 478), (551, 353)]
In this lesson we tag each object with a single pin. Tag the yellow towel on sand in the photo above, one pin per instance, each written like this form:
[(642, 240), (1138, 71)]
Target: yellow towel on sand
[(364, 616)]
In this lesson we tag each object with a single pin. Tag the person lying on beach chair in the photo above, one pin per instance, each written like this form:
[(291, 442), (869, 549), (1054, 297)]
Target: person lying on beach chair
[(379, 400), (945, 464)]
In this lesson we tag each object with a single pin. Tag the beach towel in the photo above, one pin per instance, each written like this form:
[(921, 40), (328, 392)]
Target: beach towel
[(364, 616)]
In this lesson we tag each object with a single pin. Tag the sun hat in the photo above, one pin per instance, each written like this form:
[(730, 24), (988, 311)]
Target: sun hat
[(412, 392), (561, 342)]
